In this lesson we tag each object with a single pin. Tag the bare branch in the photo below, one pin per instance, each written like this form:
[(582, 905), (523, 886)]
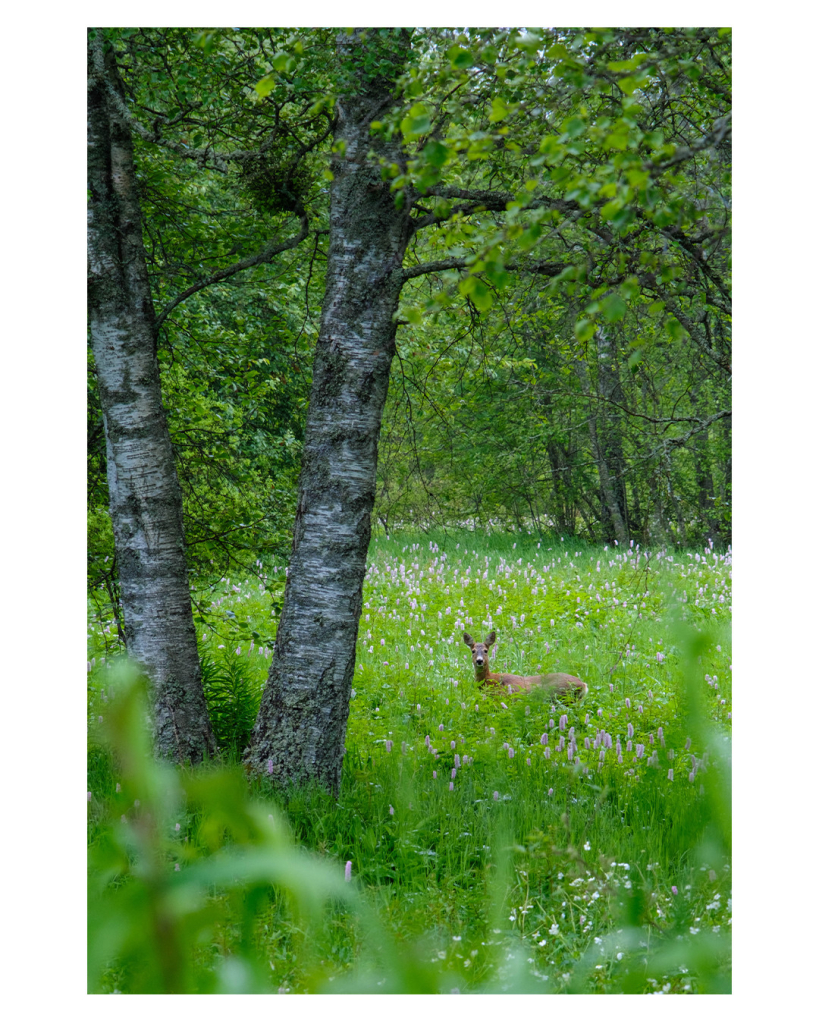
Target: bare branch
[(434, 267), (720, 132), (542, 267), (681, 439), (265, 256)]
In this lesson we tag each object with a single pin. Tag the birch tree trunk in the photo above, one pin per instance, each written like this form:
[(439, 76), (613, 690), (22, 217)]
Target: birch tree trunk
[(611, 518), (609, 442), (607, 487), (145, 497), (300, 730)]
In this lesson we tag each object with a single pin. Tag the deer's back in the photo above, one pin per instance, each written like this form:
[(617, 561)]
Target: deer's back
[(563, 682), (560, 682)]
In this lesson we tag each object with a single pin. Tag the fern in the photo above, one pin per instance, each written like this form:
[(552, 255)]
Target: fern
[(233, 701)]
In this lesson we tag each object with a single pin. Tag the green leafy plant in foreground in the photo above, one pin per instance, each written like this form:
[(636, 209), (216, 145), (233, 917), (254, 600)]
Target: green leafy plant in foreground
[(178, 853)]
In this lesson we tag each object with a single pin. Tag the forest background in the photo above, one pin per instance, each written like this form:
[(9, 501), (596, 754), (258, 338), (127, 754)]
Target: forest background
[(782, 478)]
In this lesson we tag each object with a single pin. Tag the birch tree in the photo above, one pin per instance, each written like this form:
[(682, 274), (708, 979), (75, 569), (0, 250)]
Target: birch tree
[(143, 486), (146, 503)]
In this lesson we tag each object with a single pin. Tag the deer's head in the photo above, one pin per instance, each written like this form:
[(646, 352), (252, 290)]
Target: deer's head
[(480, 653)]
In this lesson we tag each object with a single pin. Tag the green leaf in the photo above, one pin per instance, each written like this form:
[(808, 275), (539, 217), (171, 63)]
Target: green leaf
[(584, 330), (616, 140), (436, 153), (418, 125), (630, 288), (265, 86), (458, 57), (481, 296), (628, 84), (550, 145), (497, 274), (628, 65), (283, 63), (636, 178), (635, 359), (574, 126), (610, 209), (529, 42), (499, 110), (623, 218), (467, 285), (614, 308), (326, 102), (675, 329)]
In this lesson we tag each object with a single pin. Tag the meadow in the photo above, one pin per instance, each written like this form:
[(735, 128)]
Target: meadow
[(482, 840)]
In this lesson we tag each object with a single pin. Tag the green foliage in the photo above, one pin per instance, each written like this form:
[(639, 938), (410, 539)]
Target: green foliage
[(277, 184), (495, 425), (159, 894), (233, 696)]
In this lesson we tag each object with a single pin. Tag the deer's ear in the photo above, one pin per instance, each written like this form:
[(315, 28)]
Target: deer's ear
[(491, 639), (468, 640)]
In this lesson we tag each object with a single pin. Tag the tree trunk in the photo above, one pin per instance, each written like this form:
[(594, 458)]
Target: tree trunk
[(609, 434), (726, 487), (704, 478), (561, 462), (611, 518), (607, 489), (145, 498), (299, 733), (682, 534)]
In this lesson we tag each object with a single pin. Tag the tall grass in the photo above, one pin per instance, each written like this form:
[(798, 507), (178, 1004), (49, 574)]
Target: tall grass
[(502, 867)]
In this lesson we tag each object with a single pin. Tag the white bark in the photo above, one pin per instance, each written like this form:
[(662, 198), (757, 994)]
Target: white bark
[(145, 498)]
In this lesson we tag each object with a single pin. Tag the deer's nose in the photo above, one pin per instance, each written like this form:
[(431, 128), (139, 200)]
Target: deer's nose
[(479, 660)]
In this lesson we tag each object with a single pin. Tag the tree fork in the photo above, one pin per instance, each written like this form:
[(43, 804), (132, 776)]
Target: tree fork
[(299, 733), (145, 497)]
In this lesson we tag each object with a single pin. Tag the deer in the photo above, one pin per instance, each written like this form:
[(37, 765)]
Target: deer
[(558, 683)]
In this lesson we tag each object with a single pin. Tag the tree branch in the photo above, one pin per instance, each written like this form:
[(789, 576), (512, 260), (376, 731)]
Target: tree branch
[(720, 132), (680, 440), (436, 266), (265, 256)]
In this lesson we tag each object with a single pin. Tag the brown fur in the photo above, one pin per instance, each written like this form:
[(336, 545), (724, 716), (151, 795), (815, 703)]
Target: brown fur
[(558, 682)]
